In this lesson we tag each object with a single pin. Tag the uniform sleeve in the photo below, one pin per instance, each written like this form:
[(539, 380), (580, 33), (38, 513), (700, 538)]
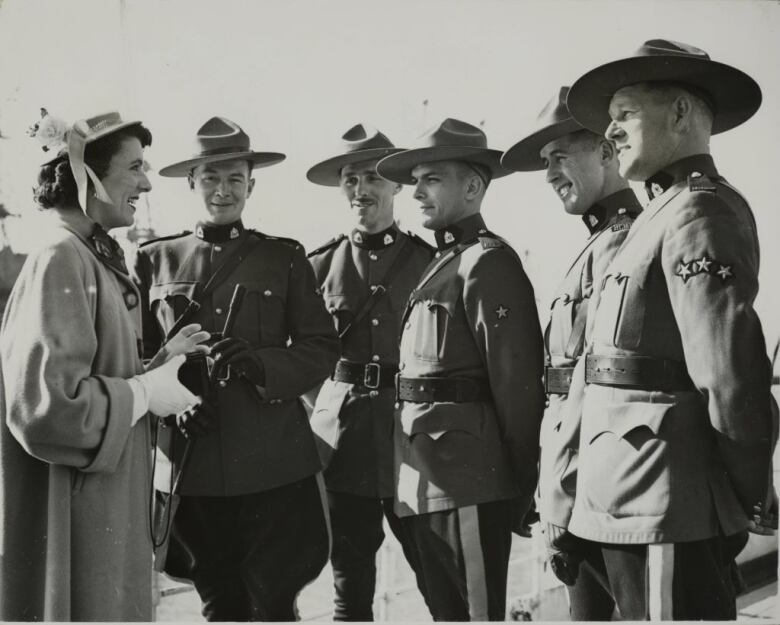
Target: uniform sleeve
[(314, 345), (58, 409), (141, 273), (710, 263), (501, 310)]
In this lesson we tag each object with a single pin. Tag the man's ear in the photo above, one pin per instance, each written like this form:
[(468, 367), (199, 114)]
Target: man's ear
[(397, 188), (682, 108), (474, 186), (191, 181), (606, 151), (250, 187)]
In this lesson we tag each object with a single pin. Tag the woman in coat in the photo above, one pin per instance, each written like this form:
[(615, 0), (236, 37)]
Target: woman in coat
[(74, 443)]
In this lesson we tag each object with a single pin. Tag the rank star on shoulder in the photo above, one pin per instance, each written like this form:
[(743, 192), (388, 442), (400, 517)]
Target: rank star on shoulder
[(725, 272), (684, 271), (704, 264), (502, 312)]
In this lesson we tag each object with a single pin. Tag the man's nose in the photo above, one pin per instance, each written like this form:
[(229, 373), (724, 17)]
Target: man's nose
[(419, 193), (552, 173), (223, 188), (613, 131)]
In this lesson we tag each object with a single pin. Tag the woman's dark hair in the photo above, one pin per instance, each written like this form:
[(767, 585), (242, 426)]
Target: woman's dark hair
[(56, 186)]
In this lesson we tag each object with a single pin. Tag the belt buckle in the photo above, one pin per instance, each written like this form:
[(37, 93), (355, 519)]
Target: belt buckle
[(371, 374)]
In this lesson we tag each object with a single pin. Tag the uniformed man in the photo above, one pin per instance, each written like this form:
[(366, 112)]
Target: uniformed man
[(365, 278), (582, 168), (470, 391), (251, 520), (678, 421)]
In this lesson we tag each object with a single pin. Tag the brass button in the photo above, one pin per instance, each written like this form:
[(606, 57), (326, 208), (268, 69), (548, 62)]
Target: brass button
[(217, 248), (223, 383), (374, 394), (373, 256), (218, 311), (267, 292), (375, 358), (375, 322)]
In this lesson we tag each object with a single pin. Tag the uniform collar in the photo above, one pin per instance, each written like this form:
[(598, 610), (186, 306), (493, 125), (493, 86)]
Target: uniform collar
[(375, 241), (621, 202), (221, 233), (695, 166), (466, 229)]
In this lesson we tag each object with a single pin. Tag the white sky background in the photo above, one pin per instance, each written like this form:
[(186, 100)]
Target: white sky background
[(295, 74)]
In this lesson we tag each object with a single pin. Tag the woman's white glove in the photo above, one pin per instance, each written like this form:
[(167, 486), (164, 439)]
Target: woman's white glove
[(160, 392), (187, 340)]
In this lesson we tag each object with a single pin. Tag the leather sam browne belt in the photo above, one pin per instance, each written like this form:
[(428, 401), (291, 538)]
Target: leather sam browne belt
[(652, 374), (369, 375), (460, 390), (557, 379)]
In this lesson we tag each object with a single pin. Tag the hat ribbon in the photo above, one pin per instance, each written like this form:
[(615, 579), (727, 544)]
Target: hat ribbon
[(77, 142)]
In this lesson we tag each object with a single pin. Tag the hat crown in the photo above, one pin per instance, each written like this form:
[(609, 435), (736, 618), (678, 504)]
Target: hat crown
[(667, 47), (453, 133), (98, 125), (555, 111), (364, 137), (218, 135)]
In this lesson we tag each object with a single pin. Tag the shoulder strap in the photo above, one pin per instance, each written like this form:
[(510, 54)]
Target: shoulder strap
[(225, 269), (378, 291)]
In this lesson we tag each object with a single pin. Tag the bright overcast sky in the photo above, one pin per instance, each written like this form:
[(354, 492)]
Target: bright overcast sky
[(295, 74)]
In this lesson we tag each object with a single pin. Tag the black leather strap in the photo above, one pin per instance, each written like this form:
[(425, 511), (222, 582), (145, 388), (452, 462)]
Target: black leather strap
[(460, 390), (370, 375), (659, 374), (557, 379)]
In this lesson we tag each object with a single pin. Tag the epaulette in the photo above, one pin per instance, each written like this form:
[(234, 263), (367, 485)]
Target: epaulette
[(489, 240), (700, 182), (268, 237), (420, 241), (166, 238), (332, 243)]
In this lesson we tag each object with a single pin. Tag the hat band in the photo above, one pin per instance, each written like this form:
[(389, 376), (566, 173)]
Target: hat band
[(227, 150)]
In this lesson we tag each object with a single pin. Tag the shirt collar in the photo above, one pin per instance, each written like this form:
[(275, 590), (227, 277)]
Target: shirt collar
[(219, 233), (621, 202), (466, 229), (696, 165), (375, 241)]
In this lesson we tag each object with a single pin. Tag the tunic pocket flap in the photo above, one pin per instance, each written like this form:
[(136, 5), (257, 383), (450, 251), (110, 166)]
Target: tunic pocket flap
[(438, 423), (620, 419), (173, 289), (445, 296)]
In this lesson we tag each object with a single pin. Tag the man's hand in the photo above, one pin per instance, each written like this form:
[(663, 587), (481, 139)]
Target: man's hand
[(189, 339), (522, 524), (237, 354), (764, 522), (198, 420)]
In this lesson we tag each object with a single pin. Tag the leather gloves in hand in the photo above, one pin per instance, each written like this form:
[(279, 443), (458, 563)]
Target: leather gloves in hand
[(198, 420), (238, 355), (564, 553)]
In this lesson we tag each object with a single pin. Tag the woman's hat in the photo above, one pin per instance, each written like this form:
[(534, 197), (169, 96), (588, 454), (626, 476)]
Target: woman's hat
[(359, 143), (733, 95), (86, 131), (220, 139), (552, 123), (451, 140)]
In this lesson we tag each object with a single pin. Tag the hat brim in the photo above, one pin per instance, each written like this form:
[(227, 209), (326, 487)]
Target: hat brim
[(398, 167), (98, 135), (735, 95), (258, 159), (524, 155), (328, 172)]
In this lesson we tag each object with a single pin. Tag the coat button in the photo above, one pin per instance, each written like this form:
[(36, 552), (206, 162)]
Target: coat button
[(373, 256), (217, 248), (218, 311), (408, 325), (375, 322), (222, 383), (374, 394), (267, 292), (401, 366), (372, 288), (375, 357)]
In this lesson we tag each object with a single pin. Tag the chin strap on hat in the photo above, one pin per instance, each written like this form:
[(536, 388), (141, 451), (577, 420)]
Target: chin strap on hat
[(76, 145)]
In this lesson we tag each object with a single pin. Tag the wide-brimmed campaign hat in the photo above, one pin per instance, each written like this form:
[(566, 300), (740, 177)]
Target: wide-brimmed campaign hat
[(360, 143), (733, 95), (220, 139), (451, 140), (552, 123)]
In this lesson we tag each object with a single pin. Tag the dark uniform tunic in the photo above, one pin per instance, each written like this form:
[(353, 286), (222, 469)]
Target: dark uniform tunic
[(676, 448), (465, 467), (567, 332), (263, 440), (354, 421)]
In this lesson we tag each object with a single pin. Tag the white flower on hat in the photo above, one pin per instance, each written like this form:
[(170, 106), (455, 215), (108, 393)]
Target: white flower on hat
[(51, 132)]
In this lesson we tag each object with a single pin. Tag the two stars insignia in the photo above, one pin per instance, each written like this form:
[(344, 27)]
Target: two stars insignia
[(704, 265)]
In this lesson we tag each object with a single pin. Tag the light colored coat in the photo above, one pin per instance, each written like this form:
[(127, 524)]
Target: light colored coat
[(74, 476)]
